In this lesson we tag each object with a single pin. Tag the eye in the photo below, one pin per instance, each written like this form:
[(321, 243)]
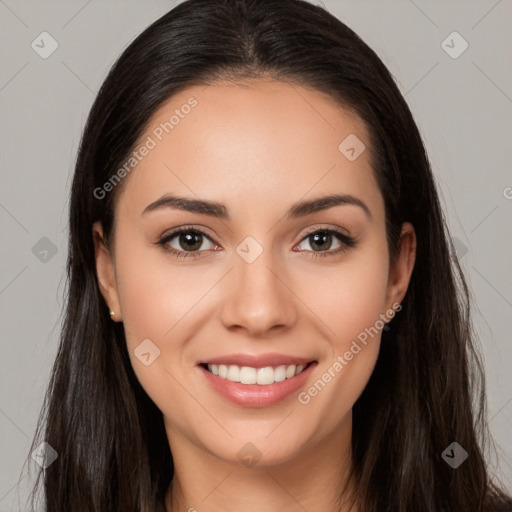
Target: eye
[(322, 239), (188, 242)]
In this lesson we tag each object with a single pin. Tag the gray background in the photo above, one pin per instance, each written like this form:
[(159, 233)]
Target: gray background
[(462, 105)]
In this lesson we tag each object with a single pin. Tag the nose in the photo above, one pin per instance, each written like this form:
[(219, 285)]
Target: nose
[(257, 297)]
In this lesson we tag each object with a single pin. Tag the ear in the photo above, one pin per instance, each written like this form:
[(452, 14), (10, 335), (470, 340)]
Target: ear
[(105, 271), (401, 268)]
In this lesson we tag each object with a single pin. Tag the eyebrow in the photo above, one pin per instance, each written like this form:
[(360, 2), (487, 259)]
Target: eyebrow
[(218, 210)]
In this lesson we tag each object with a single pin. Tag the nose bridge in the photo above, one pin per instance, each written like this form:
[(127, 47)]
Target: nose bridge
[(258, 299)]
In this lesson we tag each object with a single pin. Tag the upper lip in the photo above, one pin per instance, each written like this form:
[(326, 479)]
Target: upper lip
[(257, 360)]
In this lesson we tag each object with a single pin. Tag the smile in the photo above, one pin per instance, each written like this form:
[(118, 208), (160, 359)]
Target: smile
[(256, 381), (249, 375)]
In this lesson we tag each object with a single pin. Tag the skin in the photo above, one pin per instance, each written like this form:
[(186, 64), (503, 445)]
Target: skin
[(257, 148)]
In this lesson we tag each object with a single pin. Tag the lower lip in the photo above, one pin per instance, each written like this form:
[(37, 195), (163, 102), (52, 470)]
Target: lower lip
[(256, 395)]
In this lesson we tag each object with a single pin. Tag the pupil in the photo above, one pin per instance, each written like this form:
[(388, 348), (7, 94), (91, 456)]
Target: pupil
[(321, 238), (187, 240)]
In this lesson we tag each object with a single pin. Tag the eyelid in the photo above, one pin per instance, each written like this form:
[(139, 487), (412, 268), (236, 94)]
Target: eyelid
[(328, 228)]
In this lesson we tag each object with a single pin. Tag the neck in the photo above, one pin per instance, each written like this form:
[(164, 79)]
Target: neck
[(313, 481)]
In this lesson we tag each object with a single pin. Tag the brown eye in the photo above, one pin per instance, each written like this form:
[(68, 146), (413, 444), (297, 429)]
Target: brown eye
[(186, 242), (190, 241), (321, 240)]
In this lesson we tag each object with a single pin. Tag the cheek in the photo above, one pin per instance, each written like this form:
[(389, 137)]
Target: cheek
[(165, 303), (350, 295), (155, 295), (349, 300), (155, 300), (156, 303), (359, 302)]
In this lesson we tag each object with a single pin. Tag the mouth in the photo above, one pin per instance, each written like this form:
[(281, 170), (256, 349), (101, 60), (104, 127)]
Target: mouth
[(252, 381)]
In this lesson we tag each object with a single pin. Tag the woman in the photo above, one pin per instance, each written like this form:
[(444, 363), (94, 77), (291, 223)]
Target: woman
[(264, 309)]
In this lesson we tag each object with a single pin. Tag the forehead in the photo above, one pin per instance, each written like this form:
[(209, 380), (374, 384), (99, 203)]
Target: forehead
[(259, 141)]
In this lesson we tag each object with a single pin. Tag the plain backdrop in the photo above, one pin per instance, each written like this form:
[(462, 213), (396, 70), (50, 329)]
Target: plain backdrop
[(461, 99)]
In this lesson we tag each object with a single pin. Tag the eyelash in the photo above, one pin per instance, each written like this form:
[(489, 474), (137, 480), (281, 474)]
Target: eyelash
[(346, 240)]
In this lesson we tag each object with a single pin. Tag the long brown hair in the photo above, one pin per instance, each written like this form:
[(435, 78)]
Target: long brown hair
[(427, 389)]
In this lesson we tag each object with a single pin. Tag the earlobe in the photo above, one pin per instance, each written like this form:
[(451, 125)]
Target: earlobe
[(105, 272), (401, 269)]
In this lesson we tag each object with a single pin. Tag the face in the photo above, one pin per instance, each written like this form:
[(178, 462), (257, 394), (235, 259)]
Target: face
[(289, 299)]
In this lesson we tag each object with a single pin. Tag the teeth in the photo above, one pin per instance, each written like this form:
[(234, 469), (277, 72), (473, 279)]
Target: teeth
[(223, 371), (280, 373), (290, 371), (249, 375), (234, 373)]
